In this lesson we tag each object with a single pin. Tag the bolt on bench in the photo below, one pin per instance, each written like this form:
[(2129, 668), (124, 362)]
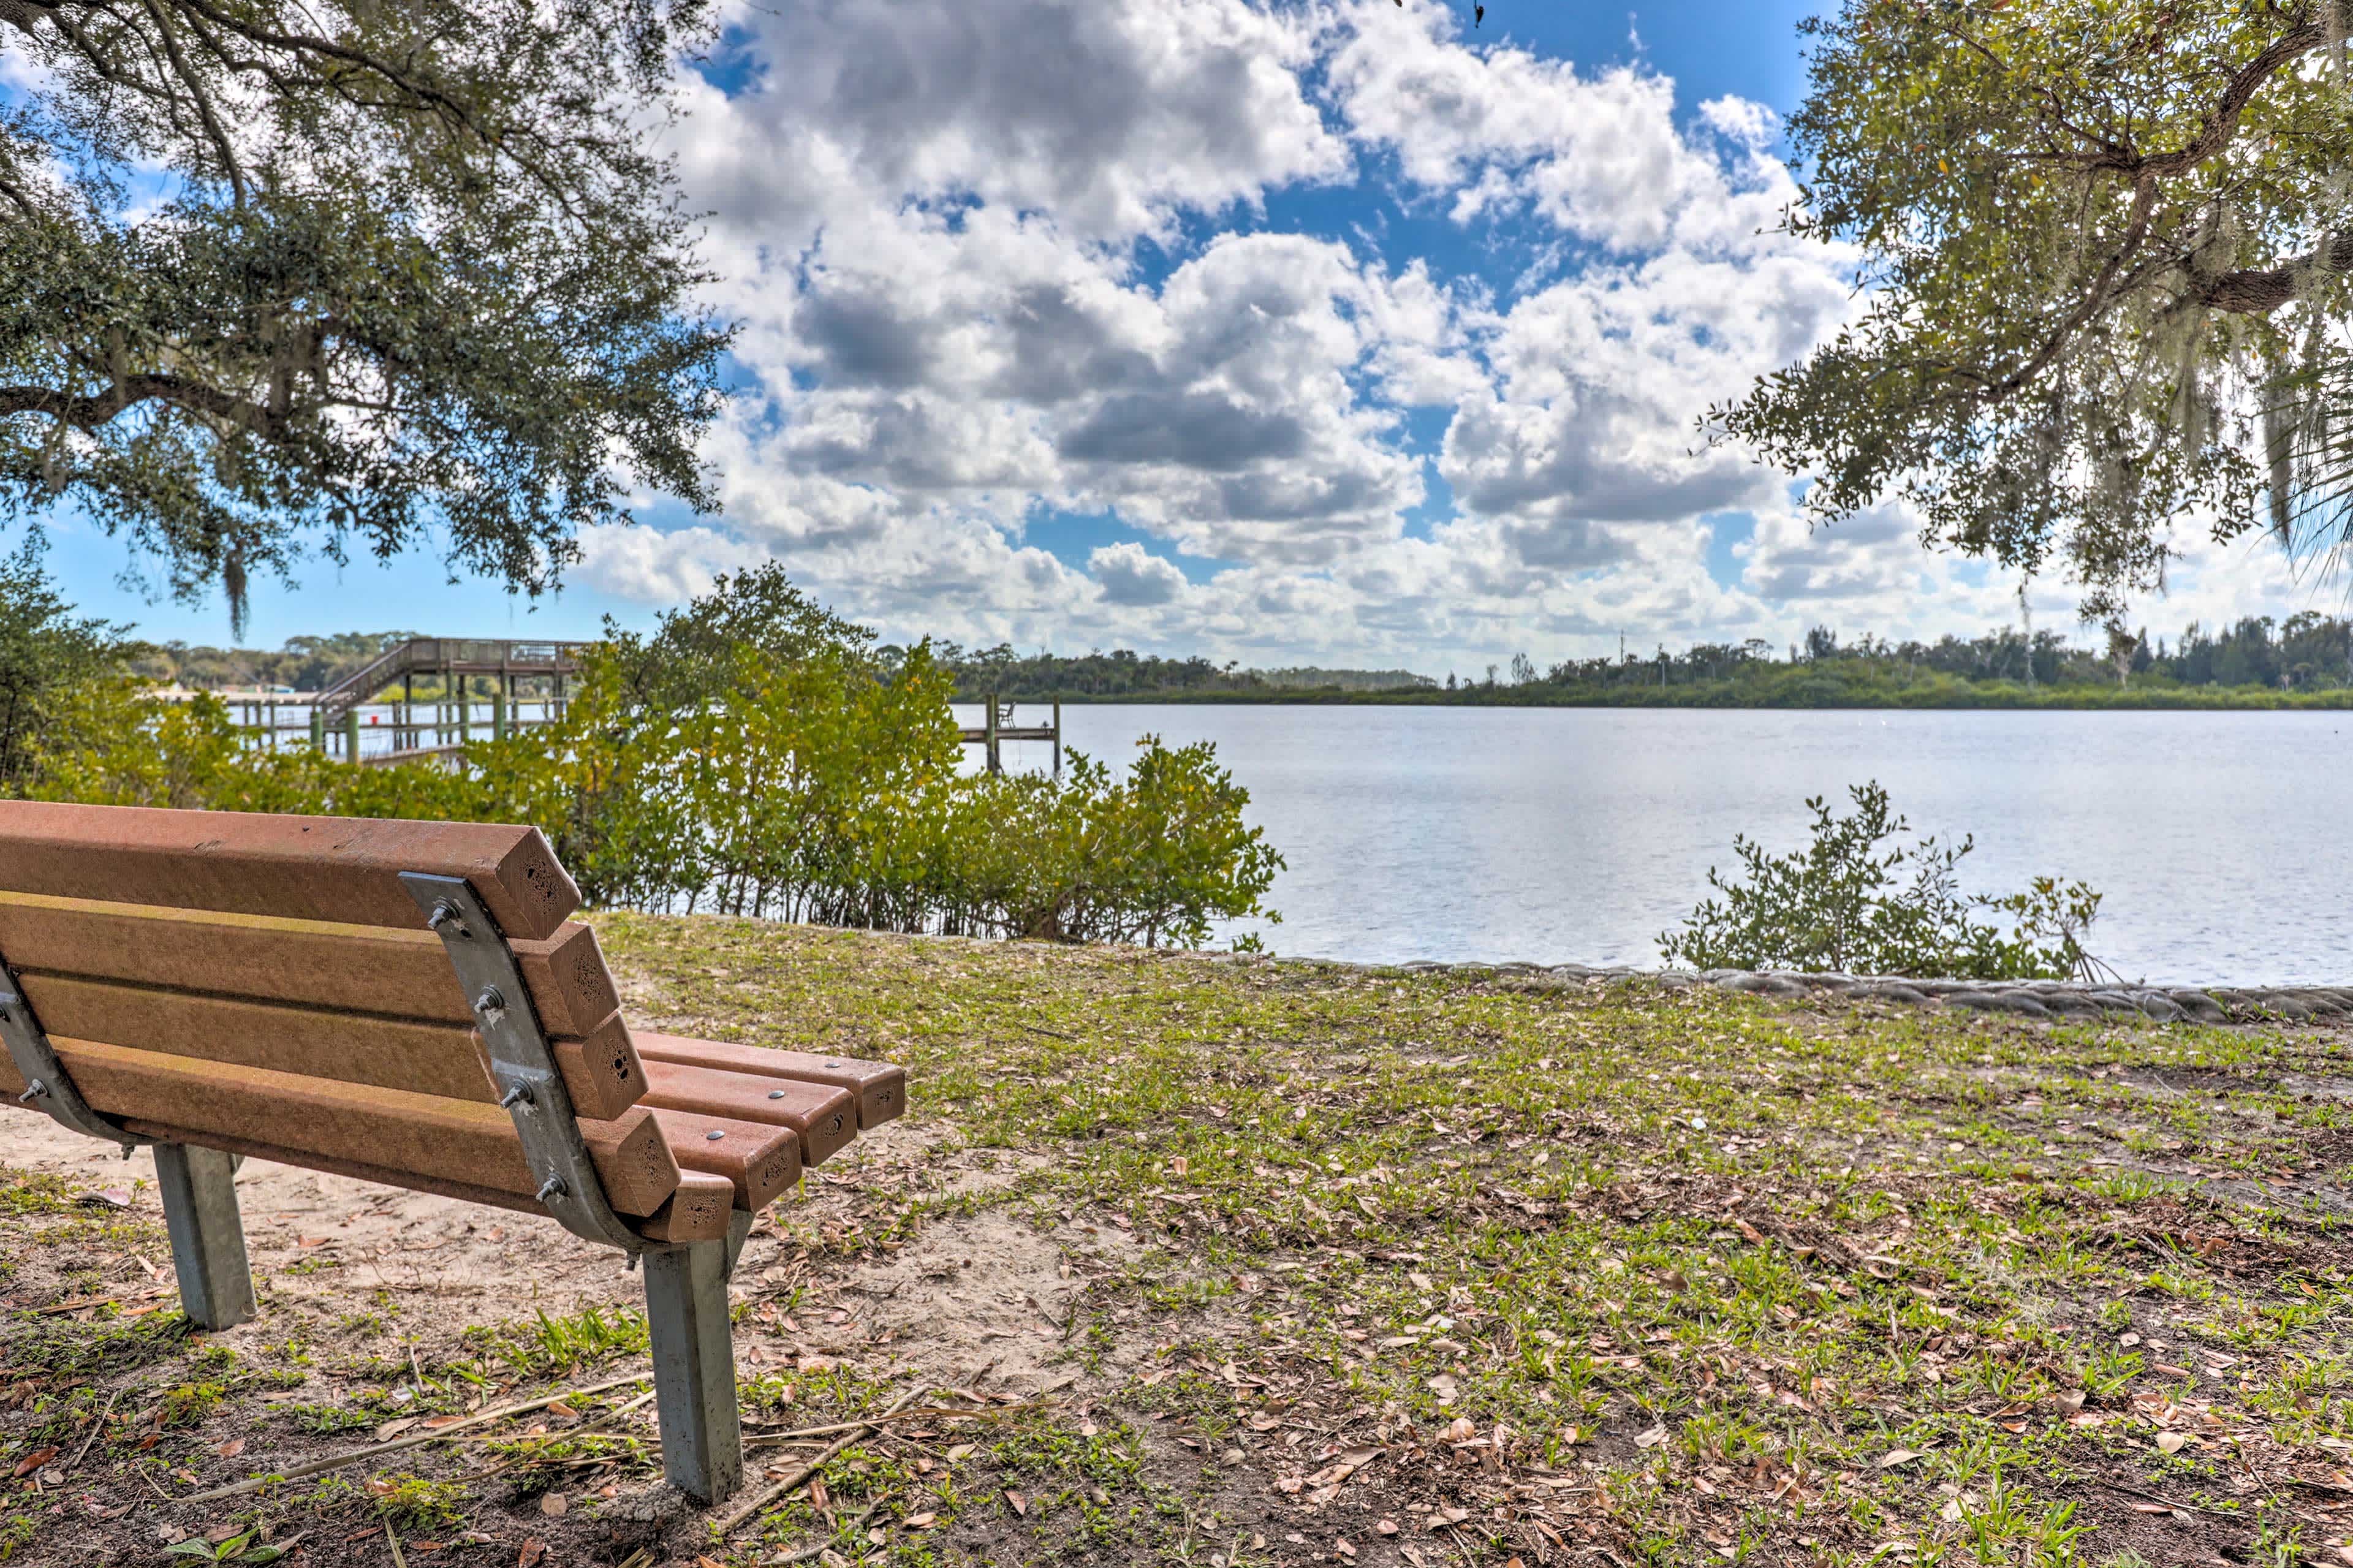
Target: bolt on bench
[(405, 1002)]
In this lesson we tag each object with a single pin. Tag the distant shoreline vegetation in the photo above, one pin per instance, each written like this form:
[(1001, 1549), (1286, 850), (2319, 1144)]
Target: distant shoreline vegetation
[(2305, 661)]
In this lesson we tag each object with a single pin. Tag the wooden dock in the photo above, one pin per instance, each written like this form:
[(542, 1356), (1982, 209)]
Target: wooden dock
[(997, 727), (530, 685), (528, 682)]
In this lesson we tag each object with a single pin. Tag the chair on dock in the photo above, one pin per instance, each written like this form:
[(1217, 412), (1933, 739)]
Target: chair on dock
[(406, 1003)]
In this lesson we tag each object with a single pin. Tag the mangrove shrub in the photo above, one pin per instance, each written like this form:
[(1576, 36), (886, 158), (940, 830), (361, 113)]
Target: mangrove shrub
[(805, 784), (1856, 901)]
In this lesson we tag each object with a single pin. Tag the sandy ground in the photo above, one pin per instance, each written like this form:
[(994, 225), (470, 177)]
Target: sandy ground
[(980, 1296), (471, 1262), (976, 1303)]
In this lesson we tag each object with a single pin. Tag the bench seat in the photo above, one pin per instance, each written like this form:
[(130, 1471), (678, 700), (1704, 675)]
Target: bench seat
[(408, 1004)]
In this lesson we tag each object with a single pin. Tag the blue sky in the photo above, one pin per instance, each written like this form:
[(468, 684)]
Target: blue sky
[(1331, 331)]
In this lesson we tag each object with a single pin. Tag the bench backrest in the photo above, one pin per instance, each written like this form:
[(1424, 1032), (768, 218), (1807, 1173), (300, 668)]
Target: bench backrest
[(267, 984)]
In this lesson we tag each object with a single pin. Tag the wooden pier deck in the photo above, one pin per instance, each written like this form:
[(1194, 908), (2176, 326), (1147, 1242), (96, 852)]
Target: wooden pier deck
[(530, 685)]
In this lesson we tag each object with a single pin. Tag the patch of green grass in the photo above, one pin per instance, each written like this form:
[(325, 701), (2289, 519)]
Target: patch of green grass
[(187, 1403), (1795, 1239), (1679, 1277), (557, 1346), (411, 1502)]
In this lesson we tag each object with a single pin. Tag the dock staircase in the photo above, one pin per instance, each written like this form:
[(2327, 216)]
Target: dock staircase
[(450, 659)]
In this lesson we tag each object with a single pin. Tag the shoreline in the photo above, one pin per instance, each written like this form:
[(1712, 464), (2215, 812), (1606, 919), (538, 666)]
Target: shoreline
[(2064, 700), (2054, 999)]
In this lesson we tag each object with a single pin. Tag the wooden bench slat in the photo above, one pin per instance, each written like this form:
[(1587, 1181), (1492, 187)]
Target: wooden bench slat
[(601, 1072), (447, 1059), (437, 1059), (410, 1180), (763, 1161), (445, 1140), (367, 969), (698, 1211), (825, 1117), (878, 1088), (302, 867)]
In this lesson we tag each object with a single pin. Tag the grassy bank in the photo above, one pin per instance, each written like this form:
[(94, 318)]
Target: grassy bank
[(1247, 1264)]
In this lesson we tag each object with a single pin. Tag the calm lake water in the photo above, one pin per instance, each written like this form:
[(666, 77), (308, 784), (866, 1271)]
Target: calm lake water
[(1570, 834)]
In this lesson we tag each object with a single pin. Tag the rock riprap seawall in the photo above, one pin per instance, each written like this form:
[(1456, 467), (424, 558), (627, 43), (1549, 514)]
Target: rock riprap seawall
[(2021, 998)]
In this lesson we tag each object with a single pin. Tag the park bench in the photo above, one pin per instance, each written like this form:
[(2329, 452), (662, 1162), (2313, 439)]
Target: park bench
[(406, 1003)]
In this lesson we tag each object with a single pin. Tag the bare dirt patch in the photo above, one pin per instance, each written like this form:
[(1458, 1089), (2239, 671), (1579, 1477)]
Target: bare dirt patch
[(989, 1297), (316, 1240)]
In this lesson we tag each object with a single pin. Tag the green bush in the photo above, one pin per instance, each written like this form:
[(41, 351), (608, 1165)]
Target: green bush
[(752, 757), (1843, 904)]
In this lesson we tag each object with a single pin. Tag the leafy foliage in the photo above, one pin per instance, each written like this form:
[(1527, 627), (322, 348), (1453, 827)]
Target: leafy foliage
[(304, 664), (1843, 904), (47, 656), (410, 266), (2107, 248), (750, 756), (240, 1548)]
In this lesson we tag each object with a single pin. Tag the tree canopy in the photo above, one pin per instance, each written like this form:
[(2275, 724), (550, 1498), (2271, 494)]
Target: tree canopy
[(2105, 249), (306, 274), (47, 653)]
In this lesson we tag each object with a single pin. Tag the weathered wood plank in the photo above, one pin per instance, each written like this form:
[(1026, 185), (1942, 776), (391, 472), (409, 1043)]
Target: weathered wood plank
[(439, 1059), (366, 969), (601, 1071), (698, 1211), (465, 1192), (763, 1161), (879, 1089), (452, 1141), (825, 1117), (301, 867)]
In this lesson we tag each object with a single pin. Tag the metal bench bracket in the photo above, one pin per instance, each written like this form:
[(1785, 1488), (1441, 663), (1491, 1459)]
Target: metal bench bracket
[(530, 1084), (47, 1086)]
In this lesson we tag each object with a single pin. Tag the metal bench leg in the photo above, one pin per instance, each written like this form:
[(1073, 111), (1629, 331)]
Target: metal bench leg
[(199, 1188), (694, 1368)]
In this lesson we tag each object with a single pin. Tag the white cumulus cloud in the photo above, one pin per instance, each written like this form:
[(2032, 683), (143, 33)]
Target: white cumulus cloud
[(1074, 325)]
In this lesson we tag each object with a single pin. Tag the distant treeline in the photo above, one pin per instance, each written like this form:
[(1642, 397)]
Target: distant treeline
[(304, 664), (2259, 661), (2306, 660), (1122, 674)]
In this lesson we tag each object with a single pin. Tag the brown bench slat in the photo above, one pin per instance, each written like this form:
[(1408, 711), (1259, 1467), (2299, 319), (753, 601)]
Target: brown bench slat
[(698, 1211), (825, 1117), (762, 1161), (601, 1071), (879, 1088), (447, 1140), (302, 868), (367, 969), (464, 1191), (381, 1053)]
